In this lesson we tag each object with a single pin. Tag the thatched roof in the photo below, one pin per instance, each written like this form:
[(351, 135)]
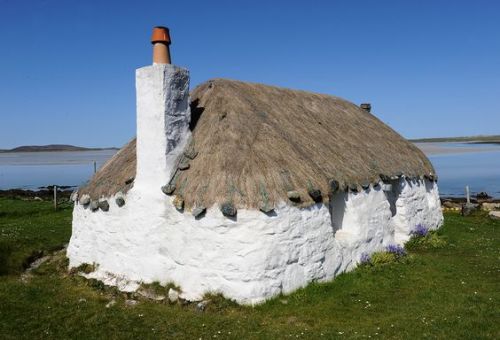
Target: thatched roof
[(255, 143), (117, 174)]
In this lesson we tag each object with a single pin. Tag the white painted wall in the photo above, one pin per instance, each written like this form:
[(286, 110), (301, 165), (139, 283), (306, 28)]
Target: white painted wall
[(248, 259)]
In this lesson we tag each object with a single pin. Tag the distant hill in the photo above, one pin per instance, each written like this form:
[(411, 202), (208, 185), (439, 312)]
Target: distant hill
[(53, 147), (468, 139)]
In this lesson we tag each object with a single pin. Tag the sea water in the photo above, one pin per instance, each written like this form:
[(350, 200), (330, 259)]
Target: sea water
[(32, 170), (479, 169)]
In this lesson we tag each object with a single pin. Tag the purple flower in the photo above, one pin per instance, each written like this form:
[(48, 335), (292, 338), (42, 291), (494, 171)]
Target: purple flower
[(396, 250), (420, 230), (365, 258)]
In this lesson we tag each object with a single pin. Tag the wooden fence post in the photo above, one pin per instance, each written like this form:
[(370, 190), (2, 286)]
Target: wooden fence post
[(55, 197), (95, 166), (467, 193)]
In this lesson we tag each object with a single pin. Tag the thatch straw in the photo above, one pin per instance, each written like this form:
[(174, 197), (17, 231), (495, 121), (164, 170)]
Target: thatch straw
[(115, 175), (255, 143)]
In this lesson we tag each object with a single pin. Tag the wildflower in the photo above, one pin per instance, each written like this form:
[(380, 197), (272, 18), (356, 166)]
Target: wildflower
[(396, 250), (420, 230), (365, 258)]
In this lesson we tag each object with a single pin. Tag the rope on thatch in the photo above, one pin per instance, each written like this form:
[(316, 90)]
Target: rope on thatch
[(264, 205), (184, 164), (181, 164), (287, 180), (190, 151)]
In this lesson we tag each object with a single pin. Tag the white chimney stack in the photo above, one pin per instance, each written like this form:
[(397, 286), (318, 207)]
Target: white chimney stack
[(163, 114)]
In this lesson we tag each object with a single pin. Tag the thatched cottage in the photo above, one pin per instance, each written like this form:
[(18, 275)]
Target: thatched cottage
[(247, 189)]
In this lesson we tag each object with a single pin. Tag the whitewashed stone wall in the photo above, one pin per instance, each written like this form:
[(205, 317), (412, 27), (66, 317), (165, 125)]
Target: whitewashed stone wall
[(248, 259)]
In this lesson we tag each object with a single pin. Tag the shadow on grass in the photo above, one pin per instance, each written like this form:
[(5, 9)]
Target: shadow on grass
[(5, 252)]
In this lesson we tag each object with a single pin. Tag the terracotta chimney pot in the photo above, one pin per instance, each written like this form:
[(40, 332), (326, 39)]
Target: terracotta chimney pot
[(161, 41)]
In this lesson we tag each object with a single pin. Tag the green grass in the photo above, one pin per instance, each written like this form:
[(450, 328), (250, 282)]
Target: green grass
[(28, 229), (451, 291)]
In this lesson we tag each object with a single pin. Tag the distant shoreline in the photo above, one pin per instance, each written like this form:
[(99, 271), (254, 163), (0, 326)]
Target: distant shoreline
[(53, 148), (441, 148), (495, 139)]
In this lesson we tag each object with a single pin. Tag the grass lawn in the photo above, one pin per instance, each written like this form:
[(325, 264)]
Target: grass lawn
[(449, 292)]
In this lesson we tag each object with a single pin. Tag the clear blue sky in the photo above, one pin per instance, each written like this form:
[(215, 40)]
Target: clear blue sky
[(429, 68)]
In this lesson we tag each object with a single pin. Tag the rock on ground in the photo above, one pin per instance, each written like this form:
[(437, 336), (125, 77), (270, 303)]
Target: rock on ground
[(469, 208), (173, 295), (200, 306), (490, 206), (130, 303), (150, 294), (495, 215)]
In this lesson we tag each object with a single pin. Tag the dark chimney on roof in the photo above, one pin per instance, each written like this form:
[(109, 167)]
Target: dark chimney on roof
[(366, 106)]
